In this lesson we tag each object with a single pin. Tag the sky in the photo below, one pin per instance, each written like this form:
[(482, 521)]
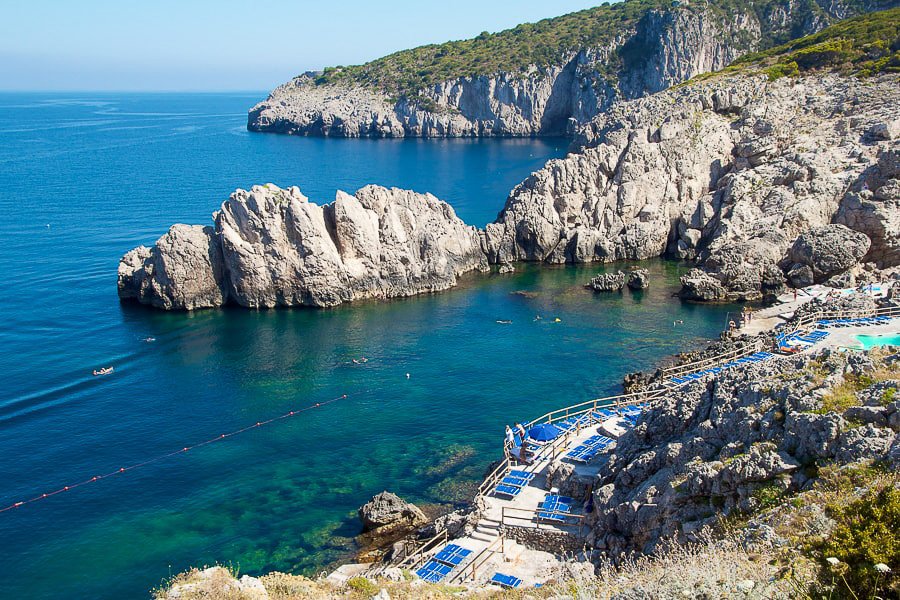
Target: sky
[(219, 45)]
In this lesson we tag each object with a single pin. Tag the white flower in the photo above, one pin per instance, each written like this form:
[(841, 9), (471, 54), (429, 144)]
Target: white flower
[(882, 568), (833, 561)]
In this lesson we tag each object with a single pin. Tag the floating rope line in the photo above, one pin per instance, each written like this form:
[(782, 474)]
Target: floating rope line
[(218, 438)]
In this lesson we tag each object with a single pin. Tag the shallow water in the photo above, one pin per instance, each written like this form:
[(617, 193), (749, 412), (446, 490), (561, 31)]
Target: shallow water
[(86, 178)]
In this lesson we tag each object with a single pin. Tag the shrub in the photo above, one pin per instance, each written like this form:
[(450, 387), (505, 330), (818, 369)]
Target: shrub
[(363, 585), (779, 70), (865, 534)]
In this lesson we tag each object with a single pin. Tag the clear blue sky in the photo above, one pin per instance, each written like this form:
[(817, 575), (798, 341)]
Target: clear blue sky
[(227, 44)]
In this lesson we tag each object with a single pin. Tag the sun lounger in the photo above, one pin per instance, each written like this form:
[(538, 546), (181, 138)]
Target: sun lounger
[(452, 555), (521, 474), (504, 489), (507, 581), (515, 481), (433, 571)]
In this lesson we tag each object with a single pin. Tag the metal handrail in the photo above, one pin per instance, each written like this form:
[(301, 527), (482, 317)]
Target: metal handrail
[(414, 558), (480, 559), (699, 365), (533, 513)]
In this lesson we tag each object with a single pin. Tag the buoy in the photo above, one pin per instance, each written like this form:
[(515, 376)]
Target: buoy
[(407, 375)]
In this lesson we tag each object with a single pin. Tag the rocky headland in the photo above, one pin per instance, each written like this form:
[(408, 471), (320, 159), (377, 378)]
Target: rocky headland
[(773, 172), (546, 78), (273, 247)]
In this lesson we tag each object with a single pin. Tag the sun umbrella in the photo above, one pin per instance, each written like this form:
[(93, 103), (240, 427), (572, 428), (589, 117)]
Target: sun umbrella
[(544, 432)]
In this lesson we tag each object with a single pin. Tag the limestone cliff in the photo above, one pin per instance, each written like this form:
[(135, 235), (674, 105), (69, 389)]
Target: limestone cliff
[(273, 247), (546, 78), (728, 171)]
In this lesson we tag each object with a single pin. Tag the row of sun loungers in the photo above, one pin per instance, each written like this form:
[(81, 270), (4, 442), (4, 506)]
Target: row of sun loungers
[(851, 322), (753, 358), (512, 484), (555, 508), (800, 341), (589, 448), (443, 563)]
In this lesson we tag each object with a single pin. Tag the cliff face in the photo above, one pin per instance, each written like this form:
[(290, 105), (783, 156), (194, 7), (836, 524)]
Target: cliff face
[(272, 247), (667, 45), (728, 172)]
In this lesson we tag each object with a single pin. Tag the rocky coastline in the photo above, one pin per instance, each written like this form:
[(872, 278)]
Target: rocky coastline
[(756, 184), (759, 447), (642, 50)]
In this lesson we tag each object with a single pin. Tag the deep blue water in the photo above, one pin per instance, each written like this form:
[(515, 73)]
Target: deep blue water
[(85, 178)]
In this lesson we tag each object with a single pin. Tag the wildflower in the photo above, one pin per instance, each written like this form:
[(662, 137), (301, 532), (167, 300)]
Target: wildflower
[(833, 561), (882, 568)]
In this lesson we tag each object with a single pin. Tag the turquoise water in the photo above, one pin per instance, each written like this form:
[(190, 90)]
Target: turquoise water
[(107, 172), (872, 341)]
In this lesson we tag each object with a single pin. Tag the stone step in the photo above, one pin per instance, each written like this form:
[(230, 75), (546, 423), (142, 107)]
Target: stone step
[(483, 537)]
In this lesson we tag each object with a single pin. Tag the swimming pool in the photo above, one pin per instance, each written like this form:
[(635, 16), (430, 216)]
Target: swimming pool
[(884, 339)]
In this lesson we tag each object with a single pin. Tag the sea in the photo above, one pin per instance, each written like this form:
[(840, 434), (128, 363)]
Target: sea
[(86, 177)]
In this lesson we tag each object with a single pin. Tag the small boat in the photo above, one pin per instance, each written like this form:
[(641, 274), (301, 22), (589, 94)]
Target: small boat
[(504, 321), (103, 371)]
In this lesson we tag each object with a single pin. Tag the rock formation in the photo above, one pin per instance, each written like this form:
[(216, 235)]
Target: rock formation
[(638, 279), (637, 54), (608, 282), (827, 251), (710, 449), (272, 247), (729, 171), (387, 510)]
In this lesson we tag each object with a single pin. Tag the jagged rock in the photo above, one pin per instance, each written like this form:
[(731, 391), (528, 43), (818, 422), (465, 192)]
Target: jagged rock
[(608, 282), (867, 414), (828, 250), (183, 271), (874, 209), (638, 279), (801, 276), (769, 169), (506, 268), (700, 286), (710, 448), (886, 130), (389, 510), (272, 247), (217, 582), (864, 443)]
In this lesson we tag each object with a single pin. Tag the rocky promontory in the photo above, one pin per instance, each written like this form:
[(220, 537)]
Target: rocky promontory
[(739, 175), (546, 78), (273, 247)]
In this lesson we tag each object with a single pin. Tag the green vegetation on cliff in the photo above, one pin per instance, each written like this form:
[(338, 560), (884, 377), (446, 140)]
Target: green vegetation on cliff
[(552, 41), (864, 45)]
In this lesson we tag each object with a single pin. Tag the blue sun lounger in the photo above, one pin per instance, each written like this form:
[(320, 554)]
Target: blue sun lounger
[(504, 489), (507, 581), (452, 555), (515, 481), (518, 473), (433, 571), (552, 506)]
